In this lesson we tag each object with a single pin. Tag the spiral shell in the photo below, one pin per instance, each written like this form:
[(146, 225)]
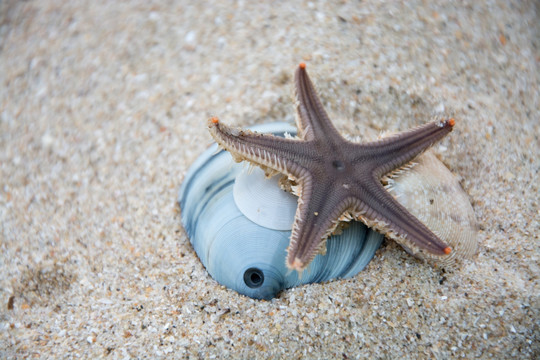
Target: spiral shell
[(239, 222), (249, 257)]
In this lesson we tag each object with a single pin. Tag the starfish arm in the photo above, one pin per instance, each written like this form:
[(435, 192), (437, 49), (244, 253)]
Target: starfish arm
[(317, 216), (312, 120), (395, 151), (265, 150), (388, 216)]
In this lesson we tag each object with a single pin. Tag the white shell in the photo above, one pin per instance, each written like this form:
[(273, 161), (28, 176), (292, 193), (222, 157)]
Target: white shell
[(262, 201), (433, 194)]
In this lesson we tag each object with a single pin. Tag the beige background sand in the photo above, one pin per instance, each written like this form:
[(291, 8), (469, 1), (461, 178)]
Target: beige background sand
[(103, 108)]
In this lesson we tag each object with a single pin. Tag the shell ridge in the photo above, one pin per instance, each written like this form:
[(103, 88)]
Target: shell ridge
[(354, 257)]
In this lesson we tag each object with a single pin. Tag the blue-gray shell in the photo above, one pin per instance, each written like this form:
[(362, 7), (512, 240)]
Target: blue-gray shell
[(247, 257)]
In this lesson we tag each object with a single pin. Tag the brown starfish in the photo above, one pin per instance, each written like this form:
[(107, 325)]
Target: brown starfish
[(336, 179)]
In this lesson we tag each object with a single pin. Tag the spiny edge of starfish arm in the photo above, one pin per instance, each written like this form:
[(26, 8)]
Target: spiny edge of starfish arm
[(372, 219), (300, 264), (312, 120), (434, 130), (347, 215), (231, 140), (405, 146), (302, 250)]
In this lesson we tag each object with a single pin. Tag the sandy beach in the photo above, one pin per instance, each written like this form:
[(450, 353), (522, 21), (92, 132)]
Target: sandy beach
[(103, 108)]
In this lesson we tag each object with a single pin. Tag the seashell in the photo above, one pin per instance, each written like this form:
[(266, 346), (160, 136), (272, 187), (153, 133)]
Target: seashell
[(239, 222), (249, 255), (263, 201), (433, 194)]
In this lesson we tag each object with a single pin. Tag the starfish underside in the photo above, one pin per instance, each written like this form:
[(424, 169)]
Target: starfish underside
[(335, 179)]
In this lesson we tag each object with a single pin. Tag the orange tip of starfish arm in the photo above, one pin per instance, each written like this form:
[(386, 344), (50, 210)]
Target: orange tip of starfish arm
[(451, 122), (302, 65), (214, 120), (297, 264), (447, 250)]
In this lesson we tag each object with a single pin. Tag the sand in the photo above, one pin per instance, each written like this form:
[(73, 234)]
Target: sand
[(103, 107)]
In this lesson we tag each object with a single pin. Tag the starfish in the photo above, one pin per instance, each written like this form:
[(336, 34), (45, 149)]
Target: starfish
[(337, 180)]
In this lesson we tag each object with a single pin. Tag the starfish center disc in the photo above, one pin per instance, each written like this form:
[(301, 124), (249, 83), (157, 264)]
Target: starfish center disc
[(338, 165)]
